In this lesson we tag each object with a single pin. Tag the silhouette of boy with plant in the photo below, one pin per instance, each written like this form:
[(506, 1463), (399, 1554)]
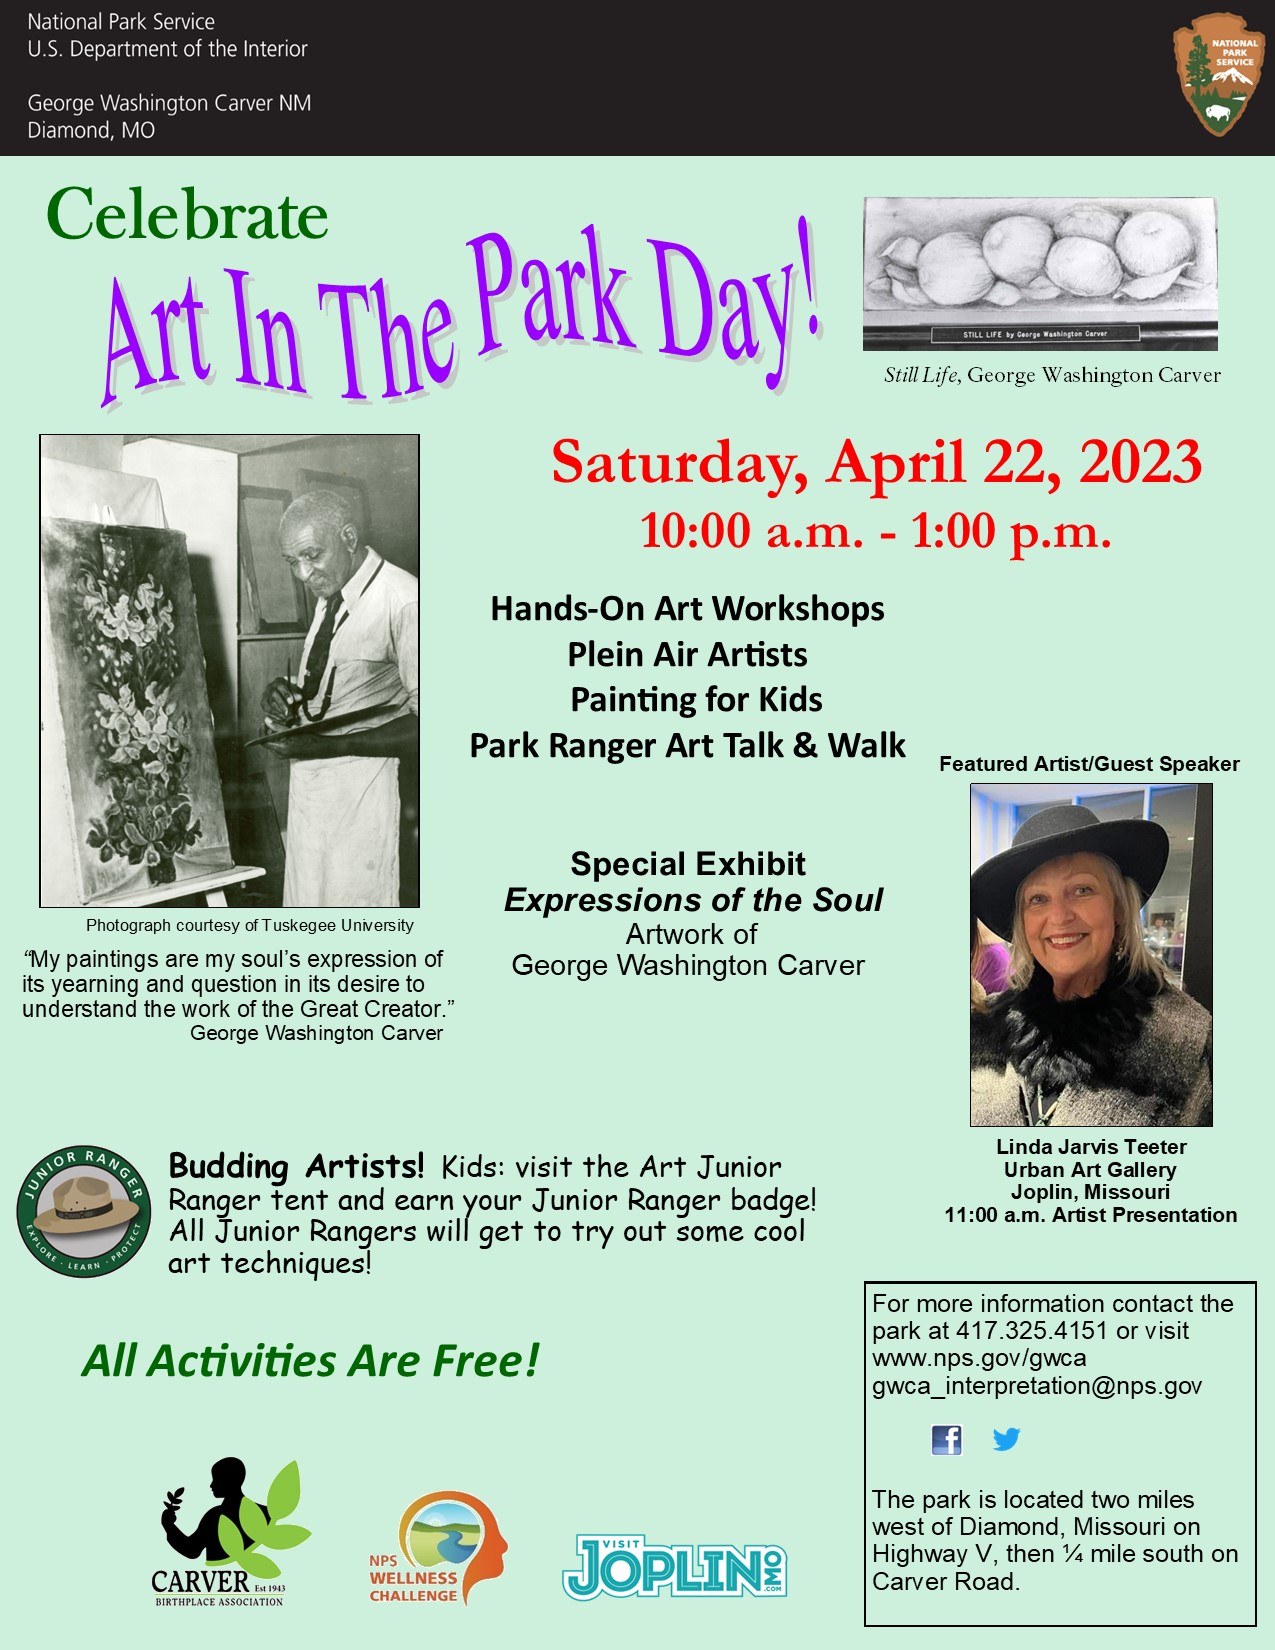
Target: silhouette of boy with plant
[(227, 1481)]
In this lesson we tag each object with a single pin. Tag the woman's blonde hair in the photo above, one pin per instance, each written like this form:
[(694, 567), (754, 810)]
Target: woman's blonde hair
[(1127, 947)]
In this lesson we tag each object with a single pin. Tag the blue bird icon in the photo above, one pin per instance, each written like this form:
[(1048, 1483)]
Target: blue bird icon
[(1007, 1439)]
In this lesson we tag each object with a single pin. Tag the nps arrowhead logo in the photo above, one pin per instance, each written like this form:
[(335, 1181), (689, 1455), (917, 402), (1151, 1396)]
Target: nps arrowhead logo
[(1219, 66)]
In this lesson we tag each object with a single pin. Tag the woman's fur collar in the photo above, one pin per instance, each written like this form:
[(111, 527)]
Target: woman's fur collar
[(1080, 1040)]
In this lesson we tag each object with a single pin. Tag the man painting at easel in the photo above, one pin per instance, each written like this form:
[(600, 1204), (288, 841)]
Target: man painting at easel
[(360, 666)]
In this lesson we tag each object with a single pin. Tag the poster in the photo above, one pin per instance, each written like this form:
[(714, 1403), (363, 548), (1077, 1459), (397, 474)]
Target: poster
[(600, 1250)]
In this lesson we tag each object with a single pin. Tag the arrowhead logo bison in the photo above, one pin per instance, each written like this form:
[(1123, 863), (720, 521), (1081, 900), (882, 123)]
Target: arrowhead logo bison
[(1219, 65)]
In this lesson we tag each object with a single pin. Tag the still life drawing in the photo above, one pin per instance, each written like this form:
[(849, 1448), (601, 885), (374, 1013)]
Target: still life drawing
[(1040, 260)]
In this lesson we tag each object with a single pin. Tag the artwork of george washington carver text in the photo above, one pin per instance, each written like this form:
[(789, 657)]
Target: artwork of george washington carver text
[(141, 773)]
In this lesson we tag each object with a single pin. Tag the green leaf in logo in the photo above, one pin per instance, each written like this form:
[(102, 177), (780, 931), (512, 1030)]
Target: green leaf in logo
[(280, 1536), (285, 1493), (230, 1538), (257, 1564), (252, 1519)]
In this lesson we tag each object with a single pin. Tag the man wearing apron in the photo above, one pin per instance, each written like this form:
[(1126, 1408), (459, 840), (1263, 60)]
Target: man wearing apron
[(362, 651)]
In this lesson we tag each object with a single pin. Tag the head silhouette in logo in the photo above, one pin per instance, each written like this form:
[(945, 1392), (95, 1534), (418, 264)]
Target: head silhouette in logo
[(452, 1528), (227, 1481)]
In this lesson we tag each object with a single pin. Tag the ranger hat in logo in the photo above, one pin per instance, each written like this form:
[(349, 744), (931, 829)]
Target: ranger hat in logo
[(1219, 64), (83, 1204), (84, 1211)]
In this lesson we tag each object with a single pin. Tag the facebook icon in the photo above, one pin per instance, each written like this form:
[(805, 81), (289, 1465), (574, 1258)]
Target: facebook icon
[(945, 1440)]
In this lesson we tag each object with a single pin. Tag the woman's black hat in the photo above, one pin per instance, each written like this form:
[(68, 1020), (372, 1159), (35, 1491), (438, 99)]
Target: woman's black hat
[(1139, 847)]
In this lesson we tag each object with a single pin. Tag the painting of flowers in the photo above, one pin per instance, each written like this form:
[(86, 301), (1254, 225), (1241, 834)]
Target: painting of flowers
[(141, 767)]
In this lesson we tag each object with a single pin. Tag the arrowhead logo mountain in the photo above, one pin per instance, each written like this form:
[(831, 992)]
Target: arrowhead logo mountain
[(1219, 65)]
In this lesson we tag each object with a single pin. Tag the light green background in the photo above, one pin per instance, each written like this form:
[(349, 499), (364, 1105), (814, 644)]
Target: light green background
[(1133, 1445), (687, 1394)]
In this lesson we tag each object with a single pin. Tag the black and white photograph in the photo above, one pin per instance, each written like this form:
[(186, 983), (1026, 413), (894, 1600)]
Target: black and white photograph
[(229, 659), (1040, 272)]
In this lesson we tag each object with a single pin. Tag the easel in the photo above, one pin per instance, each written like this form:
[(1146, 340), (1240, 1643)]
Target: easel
[(212, 887)]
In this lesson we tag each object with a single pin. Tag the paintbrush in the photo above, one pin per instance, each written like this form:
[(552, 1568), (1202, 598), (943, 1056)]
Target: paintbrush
[(330, 724)]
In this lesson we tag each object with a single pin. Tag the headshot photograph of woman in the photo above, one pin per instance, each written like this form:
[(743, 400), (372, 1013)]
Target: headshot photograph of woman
[(1091, 1028)]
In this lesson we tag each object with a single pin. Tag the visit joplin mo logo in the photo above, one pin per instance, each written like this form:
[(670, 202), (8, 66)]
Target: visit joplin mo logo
[(1219, 66), (630, 1566)]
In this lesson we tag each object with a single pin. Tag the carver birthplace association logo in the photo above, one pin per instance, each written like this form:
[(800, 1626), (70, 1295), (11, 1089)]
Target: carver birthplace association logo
[(630, 1566), (1219, 65), (238, 1538), (84, 1211), (450, 1541)]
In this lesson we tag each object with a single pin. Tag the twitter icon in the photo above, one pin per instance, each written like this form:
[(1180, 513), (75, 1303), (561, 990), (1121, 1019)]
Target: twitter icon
[(1007, 1439)]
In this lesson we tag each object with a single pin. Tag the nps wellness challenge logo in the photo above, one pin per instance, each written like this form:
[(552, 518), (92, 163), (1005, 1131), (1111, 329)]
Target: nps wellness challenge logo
[(1219, 65), (450, 1541), (83, 1211)]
